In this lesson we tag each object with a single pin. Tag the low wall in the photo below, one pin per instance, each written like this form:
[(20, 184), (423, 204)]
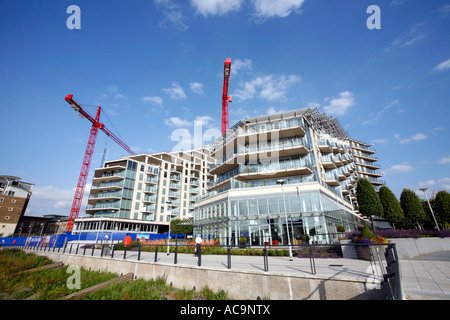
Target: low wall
[(409, 248), (238, 284)]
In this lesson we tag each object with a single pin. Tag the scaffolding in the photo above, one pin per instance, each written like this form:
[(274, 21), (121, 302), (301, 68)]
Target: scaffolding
[(326, 124)]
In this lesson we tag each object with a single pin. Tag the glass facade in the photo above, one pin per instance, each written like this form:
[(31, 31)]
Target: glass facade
[(262, 220)]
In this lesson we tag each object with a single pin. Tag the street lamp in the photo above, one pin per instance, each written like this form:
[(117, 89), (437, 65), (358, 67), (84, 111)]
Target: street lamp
[(432, 213), (285, 214), (170, 219)]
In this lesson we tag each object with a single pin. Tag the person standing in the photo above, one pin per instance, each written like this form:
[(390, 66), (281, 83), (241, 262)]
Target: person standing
[(198, 242)]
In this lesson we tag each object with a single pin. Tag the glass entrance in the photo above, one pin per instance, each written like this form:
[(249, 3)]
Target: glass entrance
[(259, 235)]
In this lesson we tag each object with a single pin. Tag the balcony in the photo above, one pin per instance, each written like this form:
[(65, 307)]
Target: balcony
[(109, 205), (110, 176), (275, 169), (328, 162), (261, 150), (332, 179), (105, 196)]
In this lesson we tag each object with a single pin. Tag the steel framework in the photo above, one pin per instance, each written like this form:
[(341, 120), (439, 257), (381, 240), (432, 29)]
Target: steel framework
[(225, 97), (96, 125)]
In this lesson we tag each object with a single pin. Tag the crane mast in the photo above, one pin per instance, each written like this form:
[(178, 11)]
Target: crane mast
[(81, 185), (225, 97)]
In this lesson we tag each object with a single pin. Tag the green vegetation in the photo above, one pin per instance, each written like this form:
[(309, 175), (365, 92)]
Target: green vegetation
[(51, 284), (368, 201), (14, 260), (47, 284), (391, 207), (412, 209)]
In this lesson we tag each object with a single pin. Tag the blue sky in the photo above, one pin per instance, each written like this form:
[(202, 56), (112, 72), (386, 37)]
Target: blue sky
[(155, 67)]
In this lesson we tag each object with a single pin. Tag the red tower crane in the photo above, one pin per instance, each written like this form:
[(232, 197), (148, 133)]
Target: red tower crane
[(225, 97), (96, 125)]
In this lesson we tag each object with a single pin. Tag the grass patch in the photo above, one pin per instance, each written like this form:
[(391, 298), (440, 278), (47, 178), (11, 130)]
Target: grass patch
[(48, 284), (15, 260)]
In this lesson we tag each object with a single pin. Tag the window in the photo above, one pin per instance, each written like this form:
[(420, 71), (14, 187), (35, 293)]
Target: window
[(13, 201), (10, 209)]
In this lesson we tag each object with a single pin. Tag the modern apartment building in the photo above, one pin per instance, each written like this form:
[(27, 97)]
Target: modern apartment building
[(142, 193), (14, 198), (281, 176)]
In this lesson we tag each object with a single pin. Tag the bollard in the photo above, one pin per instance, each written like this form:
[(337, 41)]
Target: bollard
[(70, 251), (84, 250), (139, 253), (266, 262), (93, 248), (229, 257), (112, 251), (311, 261), (76, 251), (125, 252), (156, 253), (175, 259), (199, 255)]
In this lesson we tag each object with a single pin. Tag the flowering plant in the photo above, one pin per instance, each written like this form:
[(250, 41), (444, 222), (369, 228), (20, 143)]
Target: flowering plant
[(374, 239)]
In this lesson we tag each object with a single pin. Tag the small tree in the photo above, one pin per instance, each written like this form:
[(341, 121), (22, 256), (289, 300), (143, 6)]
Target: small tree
[(442, 205), (368, 201), (177, 228), (391, 207), (412, 208)]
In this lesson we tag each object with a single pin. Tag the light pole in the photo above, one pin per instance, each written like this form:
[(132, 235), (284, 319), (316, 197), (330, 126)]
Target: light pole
[(287, 225), (170, 219), (432, 213)]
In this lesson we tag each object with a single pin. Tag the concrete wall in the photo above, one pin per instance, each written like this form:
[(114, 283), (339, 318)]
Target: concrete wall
[(238, 284), (408, 248)]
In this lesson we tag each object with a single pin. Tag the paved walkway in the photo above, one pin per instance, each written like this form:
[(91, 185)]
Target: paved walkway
[(424, 278), (427, 277)]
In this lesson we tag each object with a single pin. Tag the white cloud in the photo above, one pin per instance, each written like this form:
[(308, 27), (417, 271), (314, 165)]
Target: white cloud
[(176, 91), (267, 87), (202, 120), (196, 87), (382, 141), (444, 160), (213, 7), (154, 100), (403, 167), (55, 200), (177, 122), (280, 8), (416, 137), (172, 15), (339, 106), (380, 113), (426, 183), (442, 66), (238, 64)]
